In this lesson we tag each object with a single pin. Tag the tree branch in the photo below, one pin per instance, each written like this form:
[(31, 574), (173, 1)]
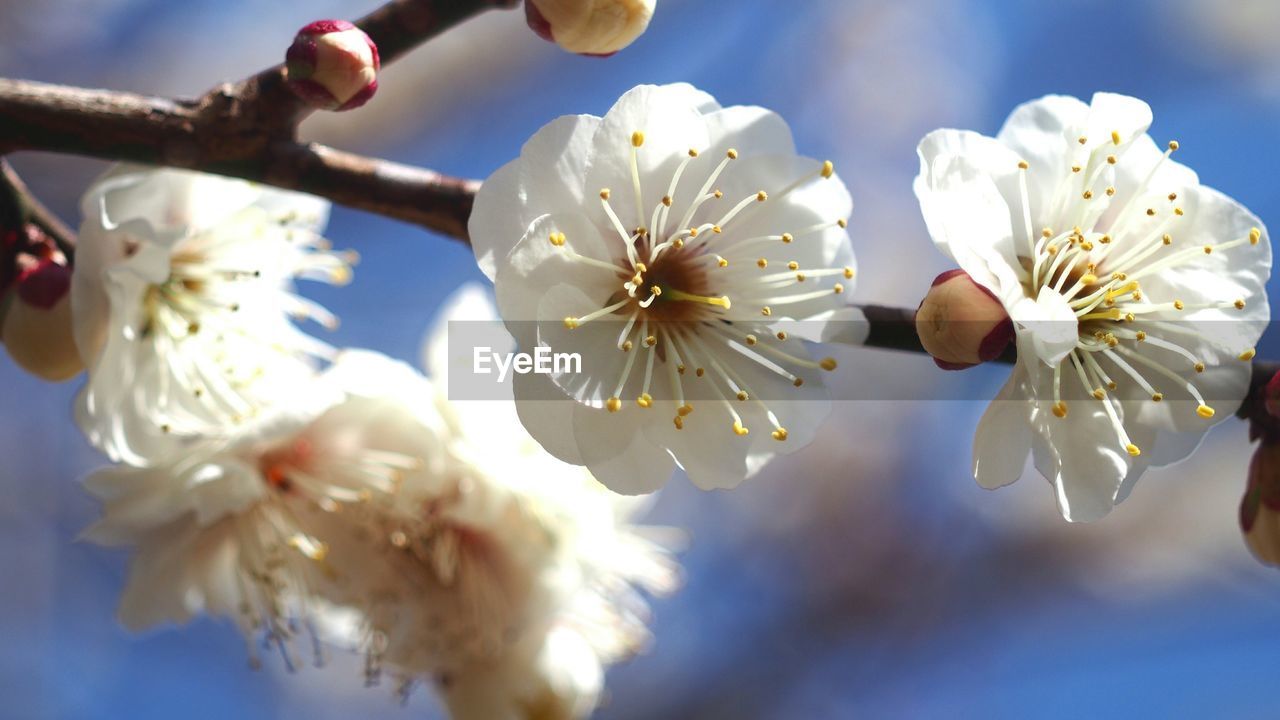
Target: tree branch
[(248, 129)]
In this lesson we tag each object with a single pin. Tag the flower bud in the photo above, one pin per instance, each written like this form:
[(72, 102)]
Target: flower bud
[(36, 326), (332, 65), (1260, 508), (589, 27), (960, 323)]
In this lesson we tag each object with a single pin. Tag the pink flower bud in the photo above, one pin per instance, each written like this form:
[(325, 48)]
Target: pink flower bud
[(960, 323), (1260, 508), (332, 65), (36, 327), (589, 27)]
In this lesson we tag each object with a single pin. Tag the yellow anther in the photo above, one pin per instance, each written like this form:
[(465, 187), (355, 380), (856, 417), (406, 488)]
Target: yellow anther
[(752, 340), (1254, 236), (1022, 165), (1088, 279), (1099, 394), (1177, 305), (732, 154), (650, 341), (848, 273), (1111, 159), (1239, 304), (685, 409), (1173, 144), (679, 422), (762, 196), (1178, 211), (742, 395), (637, 139), (1111, 191), (780, 434), (1132, 450), (719, 194), (1205, 412), (1087, 195), (787, 238), (1115, 137), (1112, 385), (828, 364), (1157, 397), (762, 263), (1076, 168), (1141, 336), (626, 346), (793, 265), (1151, 212), (571, 322), (613, 404), (837, 288), (680, 369), (1105, 239), (655, 290), (1247, 355), (766, 311), (693, 232), (1167, 239), (693, 153), (1059, 409), (828, 168), (721, 261), (1082, 140), (1046, 233), (717, 229), (782, 335), (604, 194), (798, 382), (1199, 367), (842, 223), (677, 243), (799, 277), (645, 400), (666, 200), (699, 371), (557, 239), (738, 429)]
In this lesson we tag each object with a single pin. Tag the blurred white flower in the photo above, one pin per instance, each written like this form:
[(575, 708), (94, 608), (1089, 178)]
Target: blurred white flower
[(503, 574), (228, 528), (181, 299), (1131, 286), (664, 244)]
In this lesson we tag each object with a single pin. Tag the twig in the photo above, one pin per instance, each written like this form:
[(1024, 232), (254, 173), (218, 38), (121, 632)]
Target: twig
[(248, 129)]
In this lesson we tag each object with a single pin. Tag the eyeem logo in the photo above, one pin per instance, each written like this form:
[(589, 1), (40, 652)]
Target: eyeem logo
[(542, 362)]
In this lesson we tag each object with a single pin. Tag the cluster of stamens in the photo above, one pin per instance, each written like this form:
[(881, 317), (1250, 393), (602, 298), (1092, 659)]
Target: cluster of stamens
[(1100, 276), (672, 304)]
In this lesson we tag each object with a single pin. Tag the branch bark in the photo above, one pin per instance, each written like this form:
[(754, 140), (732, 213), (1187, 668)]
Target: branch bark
[(249, 129)]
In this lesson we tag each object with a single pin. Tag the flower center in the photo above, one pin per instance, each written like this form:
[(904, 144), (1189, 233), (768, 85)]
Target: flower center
[(1099, 274)]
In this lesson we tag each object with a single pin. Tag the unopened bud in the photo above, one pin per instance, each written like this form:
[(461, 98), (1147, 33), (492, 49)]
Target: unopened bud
[(1260, 508), (36, 326), (960, 323), (332, 65), (589, 27)]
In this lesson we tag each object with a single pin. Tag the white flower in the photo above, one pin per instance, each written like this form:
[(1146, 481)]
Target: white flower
[(1137, 294), (500, 572), (181, 298), (228, 528), (664, 243)]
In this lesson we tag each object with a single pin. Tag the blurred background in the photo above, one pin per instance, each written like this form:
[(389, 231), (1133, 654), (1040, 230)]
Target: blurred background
[(866, 576)]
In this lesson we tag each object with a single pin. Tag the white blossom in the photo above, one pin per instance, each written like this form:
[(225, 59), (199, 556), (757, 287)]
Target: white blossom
[(181, 299), (507, 577), (1136, 293), (666, 244), (228, 528)]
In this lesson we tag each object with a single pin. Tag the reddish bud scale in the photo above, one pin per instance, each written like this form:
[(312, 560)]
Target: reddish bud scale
[(961, 323), (332, 75)]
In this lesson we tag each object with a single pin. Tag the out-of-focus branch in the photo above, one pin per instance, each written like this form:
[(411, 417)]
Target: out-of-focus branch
[(249, 129), (25, 206)]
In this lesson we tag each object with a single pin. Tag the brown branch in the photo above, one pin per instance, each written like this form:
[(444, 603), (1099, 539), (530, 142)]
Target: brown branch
[(248, 129)]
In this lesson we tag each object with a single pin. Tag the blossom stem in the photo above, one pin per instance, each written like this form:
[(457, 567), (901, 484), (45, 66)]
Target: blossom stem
[(248, 129)]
